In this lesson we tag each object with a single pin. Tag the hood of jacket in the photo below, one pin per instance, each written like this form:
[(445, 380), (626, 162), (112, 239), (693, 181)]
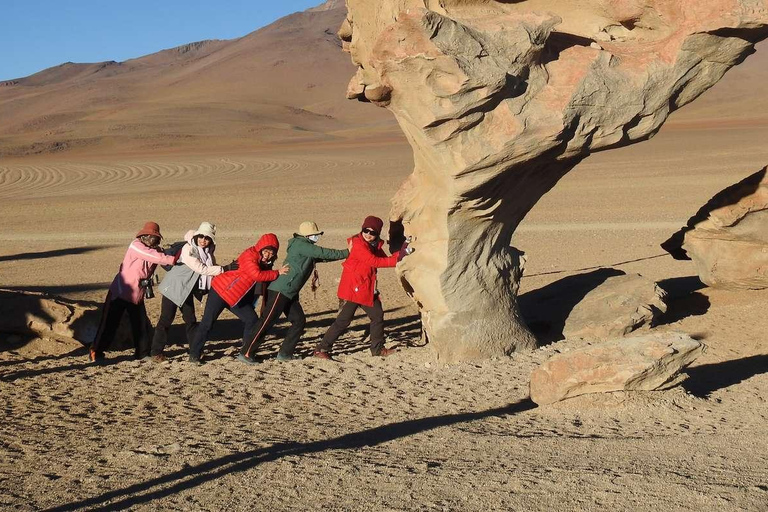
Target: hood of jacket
[(267, 240)]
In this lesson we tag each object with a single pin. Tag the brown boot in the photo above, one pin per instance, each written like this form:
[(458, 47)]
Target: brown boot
[(386, 352)]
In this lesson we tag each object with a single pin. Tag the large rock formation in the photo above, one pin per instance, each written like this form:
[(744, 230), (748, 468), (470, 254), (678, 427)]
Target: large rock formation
[(499, 100), (633, 364), (728, 236)]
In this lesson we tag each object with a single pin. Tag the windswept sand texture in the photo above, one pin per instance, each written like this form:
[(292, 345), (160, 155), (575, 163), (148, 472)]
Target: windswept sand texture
[(400, 433)]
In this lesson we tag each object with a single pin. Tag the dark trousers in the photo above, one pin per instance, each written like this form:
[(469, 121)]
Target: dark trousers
[(110, 321), (213, 308), (277, 304), (375, 314), (167, 314)]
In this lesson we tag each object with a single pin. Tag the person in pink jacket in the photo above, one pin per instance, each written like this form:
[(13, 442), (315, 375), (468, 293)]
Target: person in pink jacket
[(126, 293)]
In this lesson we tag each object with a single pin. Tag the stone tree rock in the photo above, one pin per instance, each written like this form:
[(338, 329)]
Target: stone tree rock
[(499, 100), (633, 364), (728, 236)]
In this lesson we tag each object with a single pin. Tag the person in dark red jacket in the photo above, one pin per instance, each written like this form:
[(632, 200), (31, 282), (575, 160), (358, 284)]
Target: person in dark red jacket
[(234, 290), (358, 288)]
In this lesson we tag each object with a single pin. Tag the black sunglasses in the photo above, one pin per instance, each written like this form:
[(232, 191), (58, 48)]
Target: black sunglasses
[(369, 231)]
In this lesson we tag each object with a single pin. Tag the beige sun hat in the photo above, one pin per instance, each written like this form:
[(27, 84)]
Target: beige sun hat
[(308, 228), (207, 229)]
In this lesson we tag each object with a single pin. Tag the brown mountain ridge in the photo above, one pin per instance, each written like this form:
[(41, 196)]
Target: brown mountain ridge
[(283, 83)]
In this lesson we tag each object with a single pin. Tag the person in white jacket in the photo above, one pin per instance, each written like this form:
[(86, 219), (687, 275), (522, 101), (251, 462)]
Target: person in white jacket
[(190, 278)]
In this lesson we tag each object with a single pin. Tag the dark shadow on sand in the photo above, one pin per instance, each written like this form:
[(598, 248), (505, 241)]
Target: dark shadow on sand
[(683, 299), (193, 476), (546, 309), (705, 379), (53, 254)]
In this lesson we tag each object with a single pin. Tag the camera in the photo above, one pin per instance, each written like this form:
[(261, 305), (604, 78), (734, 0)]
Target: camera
[(146, 284)]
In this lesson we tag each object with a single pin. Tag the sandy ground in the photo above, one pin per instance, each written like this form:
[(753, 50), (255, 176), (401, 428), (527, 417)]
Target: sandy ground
[(366, 433)]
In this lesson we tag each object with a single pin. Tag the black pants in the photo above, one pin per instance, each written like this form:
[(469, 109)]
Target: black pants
[(167, 313), (110, 321), (213, 308), (278, 303), (347, 312)]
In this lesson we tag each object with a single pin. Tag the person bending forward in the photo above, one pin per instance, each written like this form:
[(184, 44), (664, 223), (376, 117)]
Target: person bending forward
[(234, 291), (189, 279), (126, 293), (357, 288), (283, 296)]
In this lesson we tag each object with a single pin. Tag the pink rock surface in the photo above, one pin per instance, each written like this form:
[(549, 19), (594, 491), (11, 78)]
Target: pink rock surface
[(631, 364), (499, 100)]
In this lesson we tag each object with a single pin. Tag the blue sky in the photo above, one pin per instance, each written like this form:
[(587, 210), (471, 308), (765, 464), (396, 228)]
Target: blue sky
[(37, 34)]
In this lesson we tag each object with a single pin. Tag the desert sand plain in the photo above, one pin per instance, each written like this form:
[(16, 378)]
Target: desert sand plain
[(402, 433)]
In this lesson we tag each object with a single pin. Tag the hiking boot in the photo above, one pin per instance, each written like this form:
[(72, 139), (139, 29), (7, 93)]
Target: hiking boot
[(286, 357), (95, 357), (322, 355), (386, 352), (245, 359), (195, 360), (159, 358)]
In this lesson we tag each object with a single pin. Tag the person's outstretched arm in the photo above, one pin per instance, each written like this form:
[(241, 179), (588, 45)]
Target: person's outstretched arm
[(323, 253), (196, 265), (151, 255), (365, 256)]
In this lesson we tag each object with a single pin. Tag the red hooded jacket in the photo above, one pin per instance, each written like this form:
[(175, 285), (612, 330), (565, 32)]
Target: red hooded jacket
[(233, 285), (358, 275)]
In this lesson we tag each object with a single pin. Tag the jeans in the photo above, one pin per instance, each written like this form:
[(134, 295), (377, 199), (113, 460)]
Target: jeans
[(213, 308)]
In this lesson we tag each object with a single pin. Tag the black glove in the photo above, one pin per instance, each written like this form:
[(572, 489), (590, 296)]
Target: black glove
[(231, 266)]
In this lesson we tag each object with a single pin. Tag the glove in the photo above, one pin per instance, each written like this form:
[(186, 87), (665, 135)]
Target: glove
[(231, 266), (404, 251)]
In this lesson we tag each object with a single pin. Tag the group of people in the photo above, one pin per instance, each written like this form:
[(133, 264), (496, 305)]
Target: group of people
[(237, 286)]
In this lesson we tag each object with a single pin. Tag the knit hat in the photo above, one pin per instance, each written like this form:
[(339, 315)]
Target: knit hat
[(373, 223), (207, 229), (150, 228), (308, 228)]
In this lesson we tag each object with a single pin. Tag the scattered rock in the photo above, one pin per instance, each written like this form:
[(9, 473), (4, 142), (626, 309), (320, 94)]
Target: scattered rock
[(45, 316), (727, 239), (631, 364), (617, 307), (604, 303)]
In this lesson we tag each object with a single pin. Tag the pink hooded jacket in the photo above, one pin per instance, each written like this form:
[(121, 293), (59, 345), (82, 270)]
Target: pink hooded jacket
[(139, 263)]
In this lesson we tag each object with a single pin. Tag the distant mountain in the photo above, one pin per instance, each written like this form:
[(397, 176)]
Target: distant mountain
[(283, 83)]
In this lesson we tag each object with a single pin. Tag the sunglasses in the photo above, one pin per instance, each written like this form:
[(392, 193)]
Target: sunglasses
[(369, 231)]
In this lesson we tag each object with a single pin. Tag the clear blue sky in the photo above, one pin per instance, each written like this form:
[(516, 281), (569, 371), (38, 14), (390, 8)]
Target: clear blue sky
[(38, 34)]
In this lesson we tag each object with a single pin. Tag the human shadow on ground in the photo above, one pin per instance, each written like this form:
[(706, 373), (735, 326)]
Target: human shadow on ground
[(546, 309), (58, 291), (53, 254), (703, 380), (683, 299), (36, 372), (194, 476)]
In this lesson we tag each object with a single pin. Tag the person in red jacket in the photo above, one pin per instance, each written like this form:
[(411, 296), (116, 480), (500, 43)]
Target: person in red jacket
[(234, 290), (358, 288)]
